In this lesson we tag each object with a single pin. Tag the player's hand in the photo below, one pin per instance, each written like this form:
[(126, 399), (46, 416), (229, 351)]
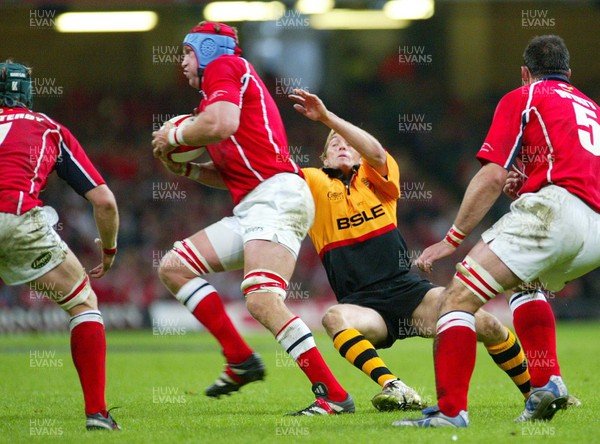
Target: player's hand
[(514, 182), (174, 167), (160, 140), (433, 253), (309, 105), (107, 261)]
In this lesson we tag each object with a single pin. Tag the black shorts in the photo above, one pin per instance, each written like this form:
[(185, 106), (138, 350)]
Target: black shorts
[(395, 303)]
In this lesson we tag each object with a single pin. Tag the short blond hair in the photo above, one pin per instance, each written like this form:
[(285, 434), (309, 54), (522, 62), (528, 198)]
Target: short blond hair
[(323, 155)]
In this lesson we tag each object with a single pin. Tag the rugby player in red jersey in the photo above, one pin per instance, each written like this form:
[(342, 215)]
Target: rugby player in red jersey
[(550, 131), (240, 125), (33, 146)]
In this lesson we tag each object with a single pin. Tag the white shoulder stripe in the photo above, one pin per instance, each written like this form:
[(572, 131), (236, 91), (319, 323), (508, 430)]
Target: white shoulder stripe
[(20, 204), (41, 156), (524, 120), (43, 149), (245, 81), (245, 159), (549, 143)]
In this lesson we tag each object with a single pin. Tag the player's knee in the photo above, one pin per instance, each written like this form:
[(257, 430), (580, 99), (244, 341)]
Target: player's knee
[(181, 263), (81, 294), (172, 272), (333, 320), (166, 270), (489, 329), (475, 280), (264, 290), (91, 303), (458, 297), (261, 304)]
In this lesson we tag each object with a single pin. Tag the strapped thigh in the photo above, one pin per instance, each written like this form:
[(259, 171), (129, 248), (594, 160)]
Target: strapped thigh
[(264, 280), (481, 283), (78, 294), (191, 257)]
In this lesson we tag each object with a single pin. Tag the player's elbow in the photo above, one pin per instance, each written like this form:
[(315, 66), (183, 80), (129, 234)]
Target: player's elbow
[(225, 129), (380, 157), (102, 199), (494, 176), (222, 121)]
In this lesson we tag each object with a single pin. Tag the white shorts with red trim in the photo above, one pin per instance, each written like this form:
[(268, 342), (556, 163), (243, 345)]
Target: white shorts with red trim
[(551, 236), (280, 209), (29, 246)]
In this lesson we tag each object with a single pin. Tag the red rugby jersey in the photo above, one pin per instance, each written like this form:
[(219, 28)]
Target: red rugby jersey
[(258, 149), (551, 132), (31, 147)]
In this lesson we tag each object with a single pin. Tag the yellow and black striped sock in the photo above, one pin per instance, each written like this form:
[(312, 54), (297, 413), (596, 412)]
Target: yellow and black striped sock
[(359, 352), (509, 356)]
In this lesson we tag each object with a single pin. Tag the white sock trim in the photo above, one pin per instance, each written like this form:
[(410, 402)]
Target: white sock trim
[(523, 297), (86, 316), (296, 338), (455, 319), (193, 292)]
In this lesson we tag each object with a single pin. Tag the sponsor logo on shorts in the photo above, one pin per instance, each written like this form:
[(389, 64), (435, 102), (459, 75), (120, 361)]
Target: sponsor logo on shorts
[(42, 260)]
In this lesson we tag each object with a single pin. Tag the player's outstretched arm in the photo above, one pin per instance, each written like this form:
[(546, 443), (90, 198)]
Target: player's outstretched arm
[(106, 215), (312, 107)]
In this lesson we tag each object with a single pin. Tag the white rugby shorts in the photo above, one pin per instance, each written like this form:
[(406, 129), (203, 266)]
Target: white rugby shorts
[(280, 209), (551, 236), (29, 246)]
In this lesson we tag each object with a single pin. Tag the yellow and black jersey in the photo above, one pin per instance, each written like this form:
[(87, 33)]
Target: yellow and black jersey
[(355, 230)]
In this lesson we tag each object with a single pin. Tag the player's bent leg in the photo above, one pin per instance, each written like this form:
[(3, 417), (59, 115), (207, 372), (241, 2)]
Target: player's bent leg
[(479, 278), (189, 258), (454, 360), (354, 330), (71, 289), (181, 271), (503, 347), (424, 317), (343, 316), (268, 266), (489, 329)]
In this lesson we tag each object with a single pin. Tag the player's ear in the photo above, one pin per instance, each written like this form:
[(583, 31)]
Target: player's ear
[(569, 73), (525, 75)]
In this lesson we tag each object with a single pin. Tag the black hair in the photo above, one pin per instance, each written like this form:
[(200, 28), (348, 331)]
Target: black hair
[(546, 55)]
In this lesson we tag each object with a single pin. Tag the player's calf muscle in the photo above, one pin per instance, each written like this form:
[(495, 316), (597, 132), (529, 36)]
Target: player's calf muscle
[(489, 329)]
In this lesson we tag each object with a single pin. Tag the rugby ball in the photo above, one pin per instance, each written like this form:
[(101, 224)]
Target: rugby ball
[(185, 153)]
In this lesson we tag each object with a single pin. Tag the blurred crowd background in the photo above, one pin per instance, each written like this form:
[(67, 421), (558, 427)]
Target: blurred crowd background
[(431, 115)]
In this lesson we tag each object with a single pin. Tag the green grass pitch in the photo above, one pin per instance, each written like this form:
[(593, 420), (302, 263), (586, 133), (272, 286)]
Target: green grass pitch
[(158, 382)]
